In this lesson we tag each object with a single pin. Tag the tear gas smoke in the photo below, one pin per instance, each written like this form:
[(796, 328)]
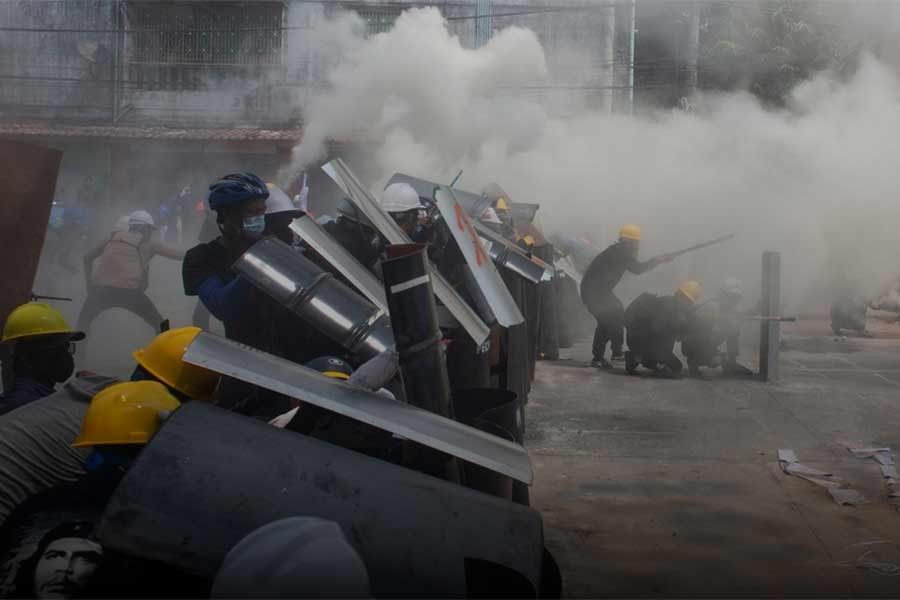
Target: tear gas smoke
[(816, 181)]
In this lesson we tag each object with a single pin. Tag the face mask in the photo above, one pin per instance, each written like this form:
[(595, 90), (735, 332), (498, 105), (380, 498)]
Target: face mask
[(254, 226), (63, 368), (55, 364)]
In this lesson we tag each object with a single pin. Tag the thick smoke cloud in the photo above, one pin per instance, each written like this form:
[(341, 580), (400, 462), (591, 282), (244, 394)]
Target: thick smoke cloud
[(419, 79), (816, 180)]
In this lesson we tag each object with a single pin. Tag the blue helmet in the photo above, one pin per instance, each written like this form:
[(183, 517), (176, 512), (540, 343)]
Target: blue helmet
[(234, 189)]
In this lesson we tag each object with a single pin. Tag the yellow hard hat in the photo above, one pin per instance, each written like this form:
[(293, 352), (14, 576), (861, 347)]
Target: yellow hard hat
[(501, 204), (691, 289), (528, 239), (630, 232), (125, 413), (37, 318), (162, 358)]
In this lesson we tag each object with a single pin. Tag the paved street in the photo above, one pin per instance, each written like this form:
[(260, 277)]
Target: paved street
[(672, 488)]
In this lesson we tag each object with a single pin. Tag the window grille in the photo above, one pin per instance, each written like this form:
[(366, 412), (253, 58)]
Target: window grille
[(189, 45)]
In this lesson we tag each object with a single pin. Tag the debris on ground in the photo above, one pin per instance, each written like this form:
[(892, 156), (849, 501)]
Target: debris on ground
[(839, 490), (885, 458)]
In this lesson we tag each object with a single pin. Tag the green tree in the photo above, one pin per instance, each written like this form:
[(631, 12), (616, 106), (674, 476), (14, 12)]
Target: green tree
[(768, 47)]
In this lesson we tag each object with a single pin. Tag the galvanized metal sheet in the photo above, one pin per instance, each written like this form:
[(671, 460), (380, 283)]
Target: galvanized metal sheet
[(337, 256), (473, 203), (360, 196), (210, 477), (531, 274), (296, 381), (501, 303)]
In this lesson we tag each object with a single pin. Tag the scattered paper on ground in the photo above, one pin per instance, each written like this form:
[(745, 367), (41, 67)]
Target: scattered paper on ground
[(847, 496), (885, 459), (839, 490)]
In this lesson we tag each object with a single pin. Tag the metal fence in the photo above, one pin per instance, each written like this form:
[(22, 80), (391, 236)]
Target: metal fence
[(53, 63), (378, 18), (189, 45)]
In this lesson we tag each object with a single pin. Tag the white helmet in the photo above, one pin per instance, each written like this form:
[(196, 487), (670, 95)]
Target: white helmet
[(400, 197), (122, 223), (490, 216), (141, 217), (278, 201)]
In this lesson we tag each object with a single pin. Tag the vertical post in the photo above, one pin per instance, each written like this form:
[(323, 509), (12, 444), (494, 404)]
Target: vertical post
[(632, 31), (769, 331), (483, 22), (608, 51), (693, 52)]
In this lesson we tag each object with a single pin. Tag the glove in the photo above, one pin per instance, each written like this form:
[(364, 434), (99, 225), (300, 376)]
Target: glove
[(302, 199)]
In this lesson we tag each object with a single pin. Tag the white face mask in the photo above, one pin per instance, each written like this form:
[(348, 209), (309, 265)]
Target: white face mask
[(254, 226)]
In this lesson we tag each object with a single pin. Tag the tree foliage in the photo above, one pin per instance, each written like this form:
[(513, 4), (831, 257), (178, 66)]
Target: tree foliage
[(769, 46)]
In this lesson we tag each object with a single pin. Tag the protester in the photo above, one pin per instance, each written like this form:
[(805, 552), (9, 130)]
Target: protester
[(43, 431), (597, 291), (402, 202), (43, 347), (117, 272), (654, 324), (280, 213)]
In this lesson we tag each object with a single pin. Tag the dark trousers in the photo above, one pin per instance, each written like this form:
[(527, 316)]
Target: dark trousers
[(652, 351), (100, 299), (610, 316)]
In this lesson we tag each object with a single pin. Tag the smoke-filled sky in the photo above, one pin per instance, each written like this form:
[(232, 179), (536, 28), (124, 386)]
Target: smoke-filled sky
[(817, 181)]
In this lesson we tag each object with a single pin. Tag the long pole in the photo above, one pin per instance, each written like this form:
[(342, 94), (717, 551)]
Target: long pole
[(718, 240)]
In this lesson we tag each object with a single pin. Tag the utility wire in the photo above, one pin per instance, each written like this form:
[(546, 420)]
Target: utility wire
[(351, 7)]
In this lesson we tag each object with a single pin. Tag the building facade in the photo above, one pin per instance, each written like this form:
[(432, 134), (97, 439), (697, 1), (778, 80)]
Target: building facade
[(146, 96)]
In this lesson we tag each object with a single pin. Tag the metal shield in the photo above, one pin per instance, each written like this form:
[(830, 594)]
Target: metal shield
[(338, 257), (509, 255), (502, 304), (474, 204), (209, 477), (318, 297), (296, 381), (344, 178)]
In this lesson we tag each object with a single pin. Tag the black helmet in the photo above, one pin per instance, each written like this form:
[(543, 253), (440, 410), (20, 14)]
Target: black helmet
[(234, 189), (331, 366)]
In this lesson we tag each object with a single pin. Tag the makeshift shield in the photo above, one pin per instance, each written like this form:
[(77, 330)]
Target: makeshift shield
[(209, 477), (501, 303), (344, 178), (338, 257), (296, 381)]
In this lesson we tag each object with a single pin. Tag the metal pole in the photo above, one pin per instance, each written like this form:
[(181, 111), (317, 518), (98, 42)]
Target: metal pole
[(693, 52), (631, 35), (608, 50), (483, 22), (769, 330)]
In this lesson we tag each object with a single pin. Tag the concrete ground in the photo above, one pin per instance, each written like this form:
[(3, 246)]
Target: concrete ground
[(654, 487)]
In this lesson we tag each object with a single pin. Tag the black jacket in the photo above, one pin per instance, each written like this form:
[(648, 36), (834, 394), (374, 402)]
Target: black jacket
[(606, 270), (657, 318)]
